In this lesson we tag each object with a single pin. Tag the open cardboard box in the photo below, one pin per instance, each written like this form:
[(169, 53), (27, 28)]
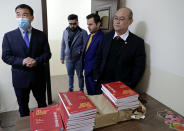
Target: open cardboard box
[(108, 115)]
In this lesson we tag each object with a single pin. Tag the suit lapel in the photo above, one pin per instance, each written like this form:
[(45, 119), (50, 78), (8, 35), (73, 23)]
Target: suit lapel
[(31, 44), (129, 37), (86, 41), (109, 40), (107, 45), (92, 41), (21, 41), (32, 41)]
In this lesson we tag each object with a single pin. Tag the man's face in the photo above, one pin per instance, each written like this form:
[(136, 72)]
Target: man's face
[(24, 13), (121, 21), (73, 24), (92, 26)]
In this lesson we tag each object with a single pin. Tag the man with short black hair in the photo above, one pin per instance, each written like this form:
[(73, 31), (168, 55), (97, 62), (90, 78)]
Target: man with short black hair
[(71, 50), (89, 51), (26, 49)]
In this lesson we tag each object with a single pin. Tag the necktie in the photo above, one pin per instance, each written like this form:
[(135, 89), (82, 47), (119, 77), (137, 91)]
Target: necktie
[(118, 37), (26, 39), (89, 41)]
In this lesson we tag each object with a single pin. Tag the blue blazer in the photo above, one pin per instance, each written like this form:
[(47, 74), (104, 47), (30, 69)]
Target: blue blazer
[(14, 50), (89, 56)]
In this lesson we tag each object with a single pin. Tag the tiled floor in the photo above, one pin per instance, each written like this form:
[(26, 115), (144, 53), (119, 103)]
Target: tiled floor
[(152, 122), (58, 84), (8, 120)]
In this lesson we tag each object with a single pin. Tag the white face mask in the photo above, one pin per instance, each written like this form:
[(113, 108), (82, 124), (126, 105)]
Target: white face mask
[(23, 22)]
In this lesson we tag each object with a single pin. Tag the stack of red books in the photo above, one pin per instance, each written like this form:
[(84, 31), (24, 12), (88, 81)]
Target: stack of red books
[(77, 111), (46, 119), (120, 95)]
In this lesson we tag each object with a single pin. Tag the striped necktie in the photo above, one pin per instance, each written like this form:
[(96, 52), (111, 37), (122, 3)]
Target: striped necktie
[(26, 39)]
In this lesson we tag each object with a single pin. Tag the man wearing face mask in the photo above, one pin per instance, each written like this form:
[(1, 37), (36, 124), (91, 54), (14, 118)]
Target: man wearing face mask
[(26, 49), (71, 49)]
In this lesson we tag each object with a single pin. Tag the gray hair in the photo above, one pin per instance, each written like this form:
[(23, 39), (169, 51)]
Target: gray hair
[(130, 13)]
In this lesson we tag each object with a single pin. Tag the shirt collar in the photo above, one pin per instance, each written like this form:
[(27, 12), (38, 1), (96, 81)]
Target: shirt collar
[(124, 36), (93, 34), (22, 31)]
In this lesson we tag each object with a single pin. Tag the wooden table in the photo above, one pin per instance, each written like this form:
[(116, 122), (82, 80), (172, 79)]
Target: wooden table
[(152, 122)]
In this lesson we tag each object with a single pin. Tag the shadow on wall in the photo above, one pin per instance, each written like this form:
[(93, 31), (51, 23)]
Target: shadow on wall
[(140, 30)]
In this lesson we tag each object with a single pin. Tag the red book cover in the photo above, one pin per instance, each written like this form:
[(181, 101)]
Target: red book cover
[(120, 107), (119, 90), (75, 123), (31, 121), (76, 103), (63, 113), (46, 118)]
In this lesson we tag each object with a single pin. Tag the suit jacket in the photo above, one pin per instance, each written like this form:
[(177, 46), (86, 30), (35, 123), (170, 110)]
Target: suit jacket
[(132, 59), (14, 50), (74, 52), (89, 56)]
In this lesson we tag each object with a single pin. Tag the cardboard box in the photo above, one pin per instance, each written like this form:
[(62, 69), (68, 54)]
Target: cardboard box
[(108, 115)]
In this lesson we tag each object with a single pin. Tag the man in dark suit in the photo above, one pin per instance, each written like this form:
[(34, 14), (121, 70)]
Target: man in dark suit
[(121, 55), (26, 49), (89, 51)]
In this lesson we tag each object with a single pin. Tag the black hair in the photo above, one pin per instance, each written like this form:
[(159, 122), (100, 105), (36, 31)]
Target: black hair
[(24, 6), (96, 17), (73, 17)]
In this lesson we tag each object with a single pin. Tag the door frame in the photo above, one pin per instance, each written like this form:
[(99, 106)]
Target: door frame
[(47, 66)]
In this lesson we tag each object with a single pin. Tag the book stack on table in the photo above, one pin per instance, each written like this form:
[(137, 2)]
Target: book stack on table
[(46, 119), (77, 111), (120, 95)]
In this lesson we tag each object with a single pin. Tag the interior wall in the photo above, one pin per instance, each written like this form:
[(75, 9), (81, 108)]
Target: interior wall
[(58, 12), (160, 23), (8, 100)]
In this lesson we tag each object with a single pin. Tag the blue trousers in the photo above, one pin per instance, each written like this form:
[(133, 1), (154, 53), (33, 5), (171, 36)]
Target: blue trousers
[(71, 68), (90, 85)]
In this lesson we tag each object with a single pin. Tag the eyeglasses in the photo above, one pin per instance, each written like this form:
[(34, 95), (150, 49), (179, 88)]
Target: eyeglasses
[(119, 18), (72, 23)]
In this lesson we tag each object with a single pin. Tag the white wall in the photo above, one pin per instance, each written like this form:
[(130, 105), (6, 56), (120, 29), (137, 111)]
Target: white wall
[(58, 12), (160, 23), (7, 12)]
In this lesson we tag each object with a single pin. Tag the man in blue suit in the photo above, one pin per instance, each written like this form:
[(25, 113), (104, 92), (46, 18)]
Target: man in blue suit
[(26, 49), (89, 51)]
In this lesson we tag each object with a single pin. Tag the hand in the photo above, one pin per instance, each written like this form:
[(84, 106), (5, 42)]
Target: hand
[(62, 61), (29, 62)]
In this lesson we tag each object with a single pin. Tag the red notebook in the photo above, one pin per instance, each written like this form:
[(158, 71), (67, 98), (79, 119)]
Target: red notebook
[(46, 119), (122, 107), (76, 103), (119, 90)]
